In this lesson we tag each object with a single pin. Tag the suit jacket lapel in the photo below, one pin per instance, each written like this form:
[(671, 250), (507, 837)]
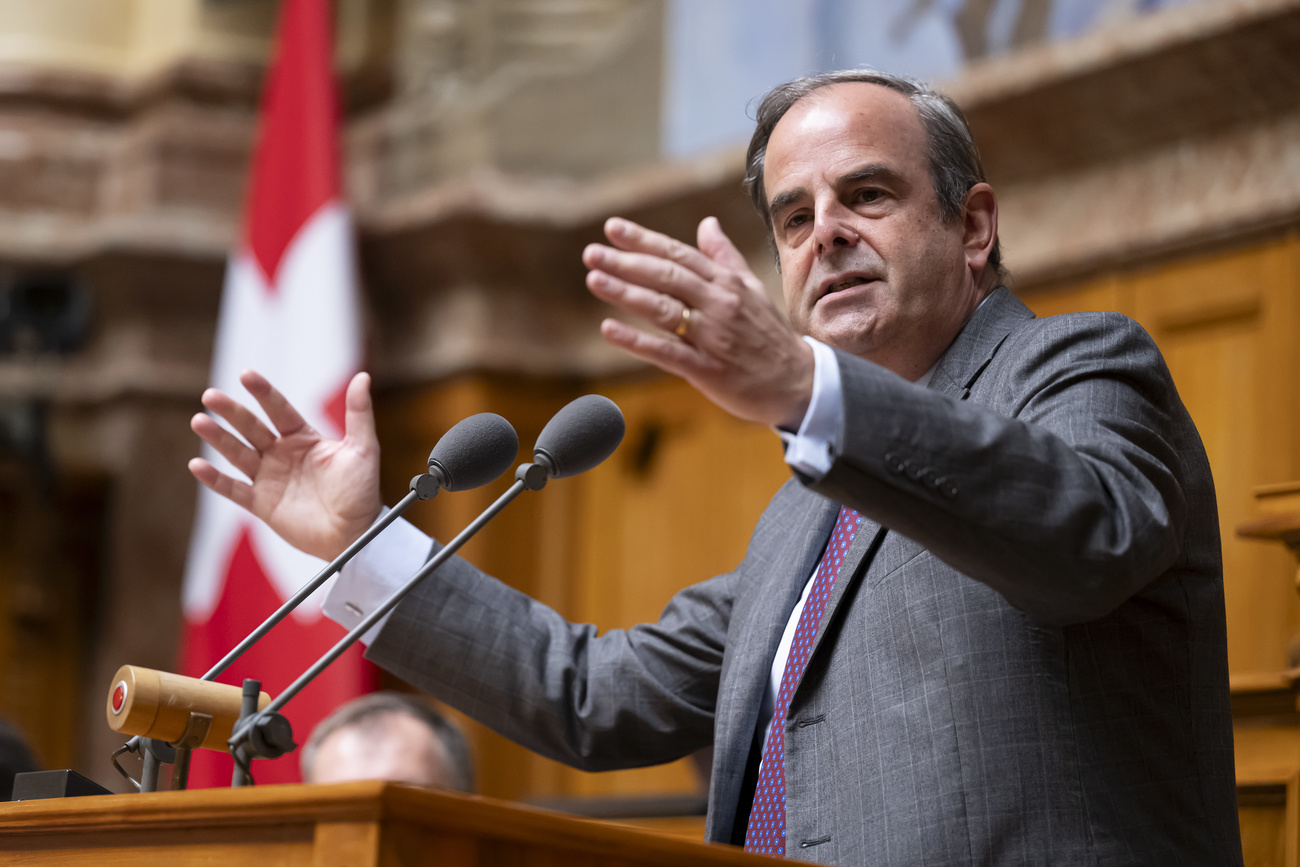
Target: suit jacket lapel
[(861, 553), (763, 633), (753, 638), (978, 342)]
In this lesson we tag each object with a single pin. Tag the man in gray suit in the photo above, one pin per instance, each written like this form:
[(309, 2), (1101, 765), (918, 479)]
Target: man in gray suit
[(1012, 648)]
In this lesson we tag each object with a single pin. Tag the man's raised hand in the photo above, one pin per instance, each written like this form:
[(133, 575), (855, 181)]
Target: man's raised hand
[(733, 345), (318, 494)]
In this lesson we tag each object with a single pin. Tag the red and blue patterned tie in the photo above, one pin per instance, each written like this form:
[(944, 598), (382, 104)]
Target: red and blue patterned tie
[(766, 829)]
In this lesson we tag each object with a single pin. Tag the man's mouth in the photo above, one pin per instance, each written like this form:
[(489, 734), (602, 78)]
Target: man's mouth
[(846, 284)]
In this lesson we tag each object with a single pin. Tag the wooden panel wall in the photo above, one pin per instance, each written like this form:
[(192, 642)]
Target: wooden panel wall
[(1227, 323), (50, 535)]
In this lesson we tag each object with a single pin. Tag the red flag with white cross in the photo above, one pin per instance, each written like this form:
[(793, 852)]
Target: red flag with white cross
[(289, 310)]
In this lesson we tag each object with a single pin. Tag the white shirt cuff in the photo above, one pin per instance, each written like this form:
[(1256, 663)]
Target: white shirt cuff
[(813, 448), (373, 574)]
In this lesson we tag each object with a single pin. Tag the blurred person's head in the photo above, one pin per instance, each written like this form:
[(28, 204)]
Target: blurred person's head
[(389, 736), (15, 758)]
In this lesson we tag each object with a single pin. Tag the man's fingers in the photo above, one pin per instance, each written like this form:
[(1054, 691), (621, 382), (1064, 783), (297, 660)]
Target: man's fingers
[(281, 413), (715, 244), (660, 310), (632, 238), (227, 444), (359, 412), (651, 272), (240, 417), (239, 493), (666, 353)]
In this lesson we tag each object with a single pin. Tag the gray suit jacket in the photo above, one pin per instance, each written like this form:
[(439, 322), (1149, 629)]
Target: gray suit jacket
[(1024, 658)]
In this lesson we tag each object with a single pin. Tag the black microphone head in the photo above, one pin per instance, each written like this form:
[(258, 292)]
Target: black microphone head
[(474, 452), (579, 436)]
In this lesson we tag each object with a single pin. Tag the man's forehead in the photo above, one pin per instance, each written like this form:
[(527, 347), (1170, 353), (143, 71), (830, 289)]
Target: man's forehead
[(871, 111), (841, 127)]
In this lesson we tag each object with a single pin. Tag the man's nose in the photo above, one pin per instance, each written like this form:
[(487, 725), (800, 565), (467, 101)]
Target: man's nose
[(833, 230)]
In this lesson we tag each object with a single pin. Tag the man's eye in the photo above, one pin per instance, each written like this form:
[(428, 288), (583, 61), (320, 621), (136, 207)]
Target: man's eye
[(868, 196), (796, 220)]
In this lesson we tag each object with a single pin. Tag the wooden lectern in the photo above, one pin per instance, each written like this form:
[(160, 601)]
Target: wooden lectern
[(352, 824)]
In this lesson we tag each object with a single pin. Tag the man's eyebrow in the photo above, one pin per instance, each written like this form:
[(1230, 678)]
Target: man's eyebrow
[(785, 200), (870, 172)]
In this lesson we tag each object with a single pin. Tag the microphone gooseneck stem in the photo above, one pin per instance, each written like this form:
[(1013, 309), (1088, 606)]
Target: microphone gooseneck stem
[(243, 775), (149, 769), (525, 480), (311, 586)]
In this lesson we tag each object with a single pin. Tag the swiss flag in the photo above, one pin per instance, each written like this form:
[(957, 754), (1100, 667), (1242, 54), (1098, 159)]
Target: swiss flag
[(288, 310)]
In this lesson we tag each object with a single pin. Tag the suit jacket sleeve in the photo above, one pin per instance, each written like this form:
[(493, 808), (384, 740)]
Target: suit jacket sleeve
[(624, 698), (1059, 483)]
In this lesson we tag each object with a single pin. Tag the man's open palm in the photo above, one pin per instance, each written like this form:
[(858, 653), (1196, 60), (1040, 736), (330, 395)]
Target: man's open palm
[(319, 494)]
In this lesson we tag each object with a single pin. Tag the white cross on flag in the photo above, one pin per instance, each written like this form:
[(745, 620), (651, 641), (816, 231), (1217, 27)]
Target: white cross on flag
[(288, 310)]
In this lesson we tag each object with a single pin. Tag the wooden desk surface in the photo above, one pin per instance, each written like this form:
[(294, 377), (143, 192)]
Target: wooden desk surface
[(362, 823)]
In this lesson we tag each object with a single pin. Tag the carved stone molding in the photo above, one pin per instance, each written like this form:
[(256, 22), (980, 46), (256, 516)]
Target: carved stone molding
[(1239, 181), (1131, 142)]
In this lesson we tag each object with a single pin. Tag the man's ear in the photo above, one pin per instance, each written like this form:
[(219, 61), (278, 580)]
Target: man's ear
[(979, 226)]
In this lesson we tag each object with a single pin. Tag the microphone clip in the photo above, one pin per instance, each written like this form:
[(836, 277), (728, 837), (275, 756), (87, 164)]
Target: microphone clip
[(425, 486), (533, 476), (264, 734)]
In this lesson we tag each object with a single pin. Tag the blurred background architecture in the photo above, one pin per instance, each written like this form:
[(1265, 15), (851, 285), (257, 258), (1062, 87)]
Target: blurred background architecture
[(1146, 152)]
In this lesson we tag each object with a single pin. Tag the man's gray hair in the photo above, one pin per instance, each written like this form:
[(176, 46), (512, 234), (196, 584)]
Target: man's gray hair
[(369, 711), (955, 164)]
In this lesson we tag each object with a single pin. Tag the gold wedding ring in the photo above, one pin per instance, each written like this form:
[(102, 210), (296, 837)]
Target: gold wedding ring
[(684, 324)]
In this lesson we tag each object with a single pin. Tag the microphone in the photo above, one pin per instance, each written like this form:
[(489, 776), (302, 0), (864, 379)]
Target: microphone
[(474, 452), (577, 438)]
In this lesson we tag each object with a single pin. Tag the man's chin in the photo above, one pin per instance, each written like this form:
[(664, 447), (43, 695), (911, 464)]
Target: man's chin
[(855, 336)]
